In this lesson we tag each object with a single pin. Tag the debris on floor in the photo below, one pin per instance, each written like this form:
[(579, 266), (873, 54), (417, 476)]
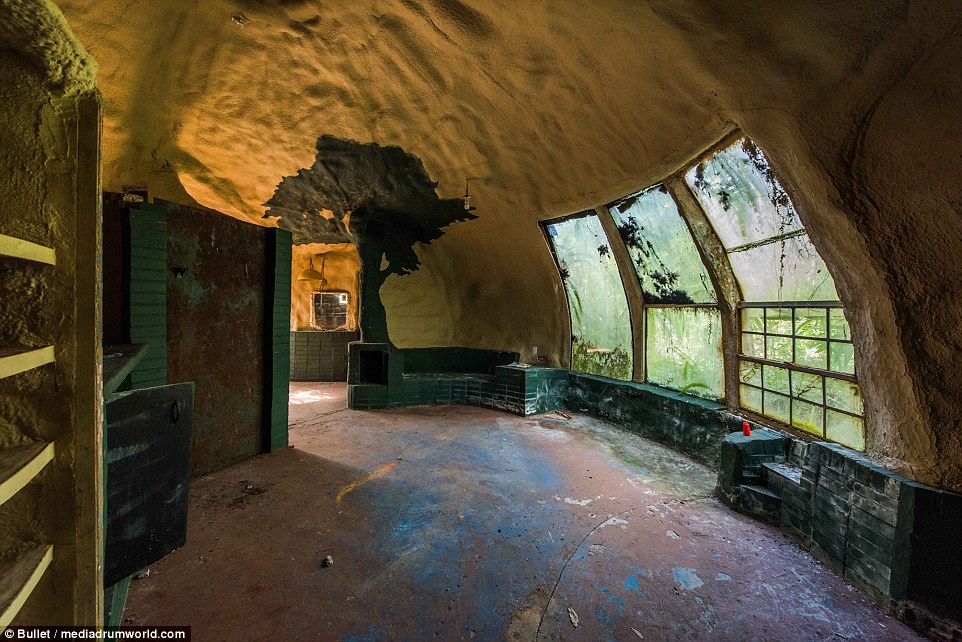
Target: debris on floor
[(378, 472), (464, 537), (328, 561)]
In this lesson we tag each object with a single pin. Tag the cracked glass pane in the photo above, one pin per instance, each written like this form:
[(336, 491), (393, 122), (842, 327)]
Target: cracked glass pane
[(784, 270), (662, 250), (600, 323), (742, 197), (771, 255)]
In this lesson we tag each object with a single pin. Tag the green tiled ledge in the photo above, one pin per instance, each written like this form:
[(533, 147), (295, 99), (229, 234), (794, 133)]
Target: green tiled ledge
[(527, 395), (894, 538), (426, 377)]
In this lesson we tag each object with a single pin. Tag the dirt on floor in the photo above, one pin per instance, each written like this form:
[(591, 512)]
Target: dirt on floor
[(455, 523)]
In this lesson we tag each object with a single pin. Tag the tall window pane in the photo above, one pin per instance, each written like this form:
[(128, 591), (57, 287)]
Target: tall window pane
[(662, 249), (684, 350), (600, 323)]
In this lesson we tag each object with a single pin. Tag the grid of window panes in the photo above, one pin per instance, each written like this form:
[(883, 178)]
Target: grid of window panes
[(796, 362), (797, 366)]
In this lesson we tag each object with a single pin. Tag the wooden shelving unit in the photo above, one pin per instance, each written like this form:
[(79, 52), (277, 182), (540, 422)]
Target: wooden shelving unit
[(21, 464), (16, 360), (19, 249), (18, 577), (119, 361)]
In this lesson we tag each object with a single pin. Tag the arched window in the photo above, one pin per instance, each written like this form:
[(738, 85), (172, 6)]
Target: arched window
[(795, 360), (600, 321)]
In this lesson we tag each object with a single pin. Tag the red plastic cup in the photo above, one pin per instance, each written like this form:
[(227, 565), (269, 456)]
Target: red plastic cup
[(746, 429)]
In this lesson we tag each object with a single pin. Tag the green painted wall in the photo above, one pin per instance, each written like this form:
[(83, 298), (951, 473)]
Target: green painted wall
[(277, 338), (147, 293), (692, 425), (320, 356)]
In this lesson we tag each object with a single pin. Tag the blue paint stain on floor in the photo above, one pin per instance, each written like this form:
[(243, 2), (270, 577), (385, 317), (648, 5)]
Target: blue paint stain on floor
[(631, 582), (615, 600), (604, 616), (687, 578), (374, 634), (437, 538), (607, 619), (723, 577), (403, 527)]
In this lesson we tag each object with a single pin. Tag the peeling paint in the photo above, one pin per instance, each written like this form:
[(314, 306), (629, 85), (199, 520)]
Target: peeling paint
[(687, 578), (615, 521)]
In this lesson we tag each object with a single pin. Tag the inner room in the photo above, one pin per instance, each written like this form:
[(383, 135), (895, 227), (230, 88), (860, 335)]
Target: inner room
[(470, 320)]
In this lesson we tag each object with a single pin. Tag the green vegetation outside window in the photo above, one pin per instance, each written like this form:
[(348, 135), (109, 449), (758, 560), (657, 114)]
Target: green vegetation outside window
[(662, 250), (683, 343), (684, 350), (753, 216), (600, 321), (796, 361)]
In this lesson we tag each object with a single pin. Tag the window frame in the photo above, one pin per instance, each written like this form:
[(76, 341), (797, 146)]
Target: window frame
[(346, 327), (544, 224), (792, 367), (730, 303), (734, 399)]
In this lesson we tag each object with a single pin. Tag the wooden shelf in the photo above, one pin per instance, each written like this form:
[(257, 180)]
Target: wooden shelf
[(119, 361), (20, 249), (21, 464), (18, 578), (16, 360)]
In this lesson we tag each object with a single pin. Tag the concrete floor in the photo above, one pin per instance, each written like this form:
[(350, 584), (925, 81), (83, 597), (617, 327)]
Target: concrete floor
[(455, 523)]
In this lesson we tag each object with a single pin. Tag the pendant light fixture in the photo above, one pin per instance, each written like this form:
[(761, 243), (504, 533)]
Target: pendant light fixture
[(310, 274), (467, 196)]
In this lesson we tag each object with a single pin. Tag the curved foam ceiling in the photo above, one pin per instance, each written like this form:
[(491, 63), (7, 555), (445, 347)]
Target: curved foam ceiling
[(546, 104), (557, 105)]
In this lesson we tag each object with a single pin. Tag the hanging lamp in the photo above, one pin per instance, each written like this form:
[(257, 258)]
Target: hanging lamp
[(310, 274), (467, 196)]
